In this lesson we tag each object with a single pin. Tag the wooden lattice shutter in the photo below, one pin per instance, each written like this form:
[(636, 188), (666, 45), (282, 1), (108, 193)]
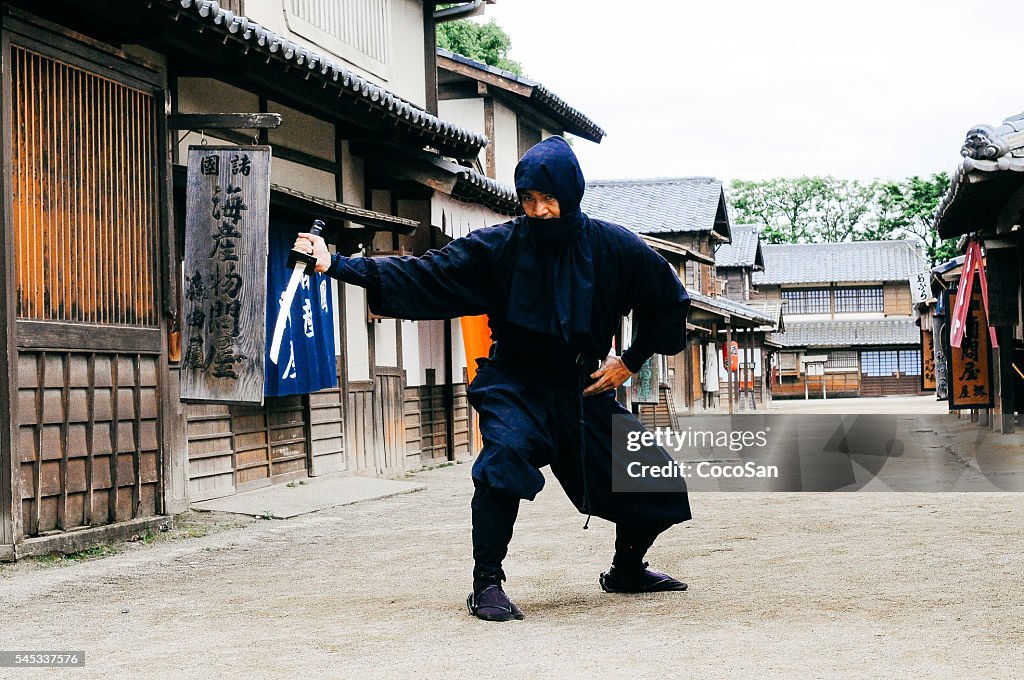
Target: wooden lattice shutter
[(84, 195)]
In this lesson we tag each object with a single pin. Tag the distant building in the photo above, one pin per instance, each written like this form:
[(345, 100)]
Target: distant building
[(736, 262), (848, 317), (685, 219)]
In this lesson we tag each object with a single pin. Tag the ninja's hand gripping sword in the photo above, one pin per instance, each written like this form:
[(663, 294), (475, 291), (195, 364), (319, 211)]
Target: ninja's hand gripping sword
[(301, 265)]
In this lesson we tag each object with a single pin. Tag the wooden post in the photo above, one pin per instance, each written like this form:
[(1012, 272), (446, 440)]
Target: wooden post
[(806, 375), (449, 391), (489, 153), (1004, 379), (728, 360), (750, 367), (174, 434), (10, 477)]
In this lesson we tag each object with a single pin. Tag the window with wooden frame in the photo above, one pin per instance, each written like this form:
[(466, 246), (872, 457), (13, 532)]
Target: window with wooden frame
[(840, 359), (910, 362), (865, 299), (880, 363), (84, 193), (807, 301)]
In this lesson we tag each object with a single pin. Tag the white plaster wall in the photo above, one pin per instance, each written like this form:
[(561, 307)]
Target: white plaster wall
[(356, 335), (467, 114), (206, 95), (303, 178), (414, 375), (431, 349), (506, 144), (458, 352), (385, 330), (302, 132), (386, 342), (408, 68)]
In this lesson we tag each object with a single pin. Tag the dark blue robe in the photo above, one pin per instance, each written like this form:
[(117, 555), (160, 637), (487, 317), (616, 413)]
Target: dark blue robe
[(528, 392)]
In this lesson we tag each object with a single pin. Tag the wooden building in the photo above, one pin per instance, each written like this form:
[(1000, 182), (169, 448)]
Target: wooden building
[(95, 442), (736, 262), (686, 220), (850, 329), (514, 112), (985, 203)]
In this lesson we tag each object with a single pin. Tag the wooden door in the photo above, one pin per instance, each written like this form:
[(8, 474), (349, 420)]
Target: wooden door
[(389, 437), (84, 214)]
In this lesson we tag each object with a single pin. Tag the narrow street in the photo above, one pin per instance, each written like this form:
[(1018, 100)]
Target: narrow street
[(801, 585)]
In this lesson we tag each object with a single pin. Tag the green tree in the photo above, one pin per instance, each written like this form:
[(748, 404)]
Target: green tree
[(784, 206), (487, 43), (843, 210), (827, 209), (908, 209)]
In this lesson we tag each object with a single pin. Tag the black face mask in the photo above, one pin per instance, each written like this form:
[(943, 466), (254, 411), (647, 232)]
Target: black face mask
[(556, 231)]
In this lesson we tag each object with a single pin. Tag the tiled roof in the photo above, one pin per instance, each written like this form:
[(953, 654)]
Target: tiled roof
[(572, 119), (732, 308), (991, 170), (249, 37), (660, 206), (770, 308), (838, 262), (745, 249), (881, 332), (477, 188)]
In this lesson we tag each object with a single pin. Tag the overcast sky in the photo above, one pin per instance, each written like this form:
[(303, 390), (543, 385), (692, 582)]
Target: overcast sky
[(749, 89)]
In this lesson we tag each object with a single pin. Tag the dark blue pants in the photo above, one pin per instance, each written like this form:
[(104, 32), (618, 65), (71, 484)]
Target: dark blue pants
[(526, 426)]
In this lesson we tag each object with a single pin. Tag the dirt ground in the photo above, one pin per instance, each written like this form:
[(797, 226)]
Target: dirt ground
[(859, 585)]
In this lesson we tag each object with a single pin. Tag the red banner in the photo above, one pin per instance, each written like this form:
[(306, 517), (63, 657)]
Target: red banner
[(973, 264)]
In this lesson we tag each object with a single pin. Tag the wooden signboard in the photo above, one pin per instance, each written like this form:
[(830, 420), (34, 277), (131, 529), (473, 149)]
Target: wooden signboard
[(920, 287), (927, 359), (227, 216), (940, 334), (970, 366)]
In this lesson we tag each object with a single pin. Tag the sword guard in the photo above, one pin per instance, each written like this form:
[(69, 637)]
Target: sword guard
[(295, 256)]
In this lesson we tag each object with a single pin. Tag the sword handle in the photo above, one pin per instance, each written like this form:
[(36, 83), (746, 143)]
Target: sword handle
[(296, 257)]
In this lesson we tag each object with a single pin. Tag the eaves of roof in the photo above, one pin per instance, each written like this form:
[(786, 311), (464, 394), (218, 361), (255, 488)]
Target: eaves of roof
[(992, 169), (477, 188), (385, 109), (734, 310), (676, 249), (873, 333), (440, 174), (573, 120)]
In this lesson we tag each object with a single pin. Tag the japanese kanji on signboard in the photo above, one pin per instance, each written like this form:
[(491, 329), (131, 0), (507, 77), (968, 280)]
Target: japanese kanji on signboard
[(227, 214), (970, 373)]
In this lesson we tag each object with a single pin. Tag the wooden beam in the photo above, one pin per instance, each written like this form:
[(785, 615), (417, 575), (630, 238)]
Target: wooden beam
[(489, 131), (483, 76), (223, 121)]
